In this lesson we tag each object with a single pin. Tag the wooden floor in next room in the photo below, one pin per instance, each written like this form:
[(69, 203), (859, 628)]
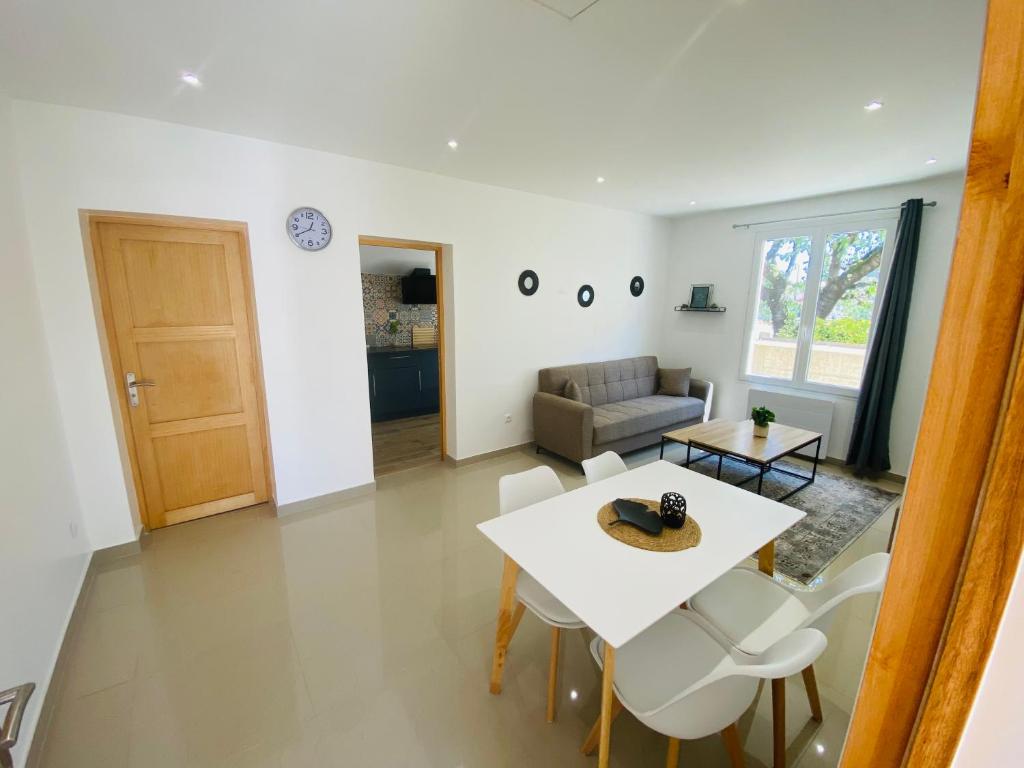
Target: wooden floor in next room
[(406, 443)]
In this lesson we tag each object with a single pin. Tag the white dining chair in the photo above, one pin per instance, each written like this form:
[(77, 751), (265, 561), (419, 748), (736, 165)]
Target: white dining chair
[(682, 679), (752, 611), (515, 492), (608, 464)]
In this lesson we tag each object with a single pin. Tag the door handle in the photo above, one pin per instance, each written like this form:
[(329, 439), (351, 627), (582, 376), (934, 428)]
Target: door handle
[(419, 376), (17, 698), (132, 384), (374, 379)]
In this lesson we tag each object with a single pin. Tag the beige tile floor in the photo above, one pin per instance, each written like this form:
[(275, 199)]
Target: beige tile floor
[(361, 636)]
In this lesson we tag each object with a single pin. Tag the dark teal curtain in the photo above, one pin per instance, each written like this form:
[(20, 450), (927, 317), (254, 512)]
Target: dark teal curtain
[(869, 445)]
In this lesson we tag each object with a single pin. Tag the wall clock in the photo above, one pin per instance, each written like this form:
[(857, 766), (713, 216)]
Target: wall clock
[(309, 229)]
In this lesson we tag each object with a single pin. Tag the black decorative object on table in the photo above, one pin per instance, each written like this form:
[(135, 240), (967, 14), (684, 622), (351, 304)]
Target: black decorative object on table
[(673, 509), (637, 514), (528, 282)]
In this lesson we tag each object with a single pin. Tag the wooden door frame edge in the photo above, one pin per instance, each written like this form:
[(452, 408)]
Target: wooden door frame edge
[(986, 578), (89, 220), (442, 348), (960, 534)]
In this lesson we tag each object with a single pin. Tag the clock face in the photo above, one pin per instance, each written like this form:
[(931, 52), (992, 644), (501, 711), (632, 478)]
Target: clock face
[(309, 229)]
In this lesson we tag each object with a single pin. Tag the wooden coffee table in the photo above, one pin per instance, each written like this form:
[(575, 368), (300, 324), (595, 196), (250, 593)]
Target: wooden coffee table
[(735, 439)]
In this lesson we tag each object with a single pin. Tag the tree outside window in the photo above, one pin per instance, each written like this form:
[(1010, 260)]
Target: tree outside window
[(848, 265)]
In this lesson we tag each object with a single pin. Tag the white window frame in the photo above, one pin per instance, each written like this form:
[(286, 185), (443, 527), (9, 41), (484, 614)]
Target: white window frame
[(818, 230)]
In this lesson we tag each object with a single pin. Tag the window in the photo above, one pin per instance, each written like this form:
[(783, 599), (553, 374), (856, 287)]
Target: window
[(814, 305), (780, 303)]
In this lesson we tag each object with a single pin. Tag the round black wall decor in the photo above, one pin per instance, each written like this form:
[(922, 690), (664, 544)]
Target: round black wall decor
[(636, 285), (528, 282), (585, 296)]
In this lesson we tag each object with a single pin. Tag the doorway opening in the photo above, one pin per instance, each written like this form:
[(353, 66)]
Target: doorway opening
[(403, 323)]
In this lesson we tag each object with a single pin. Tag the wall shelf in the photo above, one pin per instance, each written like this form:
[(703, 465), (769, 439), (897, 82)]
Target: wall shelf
[(683, 308)]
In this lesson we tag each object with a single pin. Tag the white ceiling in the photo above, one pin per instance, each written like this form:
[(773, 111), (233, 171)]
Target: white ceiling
[(378, 260), (725, 102), (570, 9)]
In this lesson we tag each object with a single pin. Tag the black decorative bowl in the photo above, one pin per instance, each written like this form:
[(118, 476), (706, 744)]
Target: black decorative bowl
[(673, 509)]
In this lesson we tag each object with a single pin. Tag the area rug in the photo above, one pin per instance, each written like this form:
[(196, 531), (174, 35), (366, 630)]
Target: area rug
[(839, 509)]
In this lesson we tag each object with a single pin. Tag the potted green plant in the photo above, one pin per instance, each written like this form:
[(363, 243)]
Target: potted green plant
[(762, 418), (393, 327)]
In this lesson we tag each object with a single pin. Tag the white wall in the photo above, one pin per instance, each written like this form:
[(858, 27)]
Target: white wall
[(309, 304), (41, 562), (991, 736), (381, 260), (706, 249)]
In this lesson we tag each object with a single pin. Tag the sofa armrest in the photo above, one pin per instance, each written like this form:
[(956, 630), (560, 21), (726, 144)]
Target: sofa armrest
[(703, 390), (563, 426)]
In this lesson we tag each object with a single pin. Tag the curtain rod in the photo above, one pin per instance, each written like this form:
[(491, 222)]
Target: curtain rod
[(930, 204)]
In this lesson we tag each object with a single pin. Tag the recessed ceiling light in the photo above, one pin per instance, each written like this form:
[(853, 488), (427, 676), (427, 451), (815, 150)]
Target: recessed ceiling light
[(820, 748), (191, 78), (693, 202), (873, 106), (931, 161), (574, 694), (600, 179), (453, 144)]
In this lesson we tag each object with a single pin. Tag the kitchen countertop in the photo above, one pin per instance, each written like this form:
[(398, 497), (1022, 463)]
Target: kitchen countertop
[(401, 348)]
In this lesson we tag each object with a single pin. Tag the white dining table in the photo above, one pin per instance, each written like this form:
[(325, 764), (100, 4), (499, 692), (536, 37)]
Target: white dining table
[(615, 589)]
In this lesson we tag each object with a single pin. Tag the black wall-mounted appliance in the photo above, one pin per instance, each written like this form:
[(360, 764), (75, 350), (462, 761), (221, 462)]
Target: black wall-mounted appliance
[(420, 287)]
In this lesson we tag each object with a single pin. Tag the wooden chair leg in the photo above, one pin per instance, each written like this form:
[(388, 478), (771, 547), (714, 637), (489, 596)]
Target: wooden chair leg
[(811, 684), (672, 758), (766, 558), (604, 742), (779, 723), (516, 618), (590, 744), (507, 622), (731, 737), (556, 635)]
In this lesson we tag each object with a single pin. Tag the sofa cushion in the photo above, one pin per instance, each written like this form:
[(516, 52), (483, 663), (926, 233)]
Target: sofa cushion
[(674, 381), (572, 391), (610, 381), (626, 418)]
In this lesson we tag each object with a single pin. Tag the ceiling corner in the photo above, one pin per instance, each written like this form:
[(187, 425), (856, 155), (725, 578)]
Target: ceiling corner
[(567, 9)]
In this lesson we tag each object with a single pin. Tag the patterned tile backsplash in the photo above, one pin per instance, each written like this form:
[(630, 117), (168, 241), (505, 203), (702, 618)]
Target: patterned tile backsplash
[(382, 303)]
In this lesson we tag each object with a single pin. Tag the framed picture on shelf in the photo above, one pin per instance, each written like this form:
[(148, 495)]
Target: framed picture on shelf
[(700, 296)]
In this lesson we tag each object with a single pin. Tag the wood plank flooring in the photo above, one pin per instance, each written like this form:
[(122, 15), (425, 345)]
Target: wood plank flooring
[(406, 443)]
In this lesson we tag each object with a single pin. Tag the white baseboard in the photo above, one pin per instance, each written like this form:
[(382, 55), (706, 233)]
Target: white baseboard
[(327, 500), (451, 461)]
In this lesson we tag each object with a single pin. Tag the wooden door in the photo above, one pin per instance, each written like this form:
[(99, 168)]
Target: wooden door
[(178, 308), (961, 530)]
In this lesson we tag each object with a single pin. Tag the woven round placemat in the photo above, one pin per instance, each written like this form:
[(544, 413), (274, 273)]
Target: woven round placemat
[(669, 540)]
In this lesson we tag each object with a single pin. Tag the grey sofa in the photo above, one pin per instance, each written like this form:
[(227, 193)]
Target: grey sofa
[(621, 410)]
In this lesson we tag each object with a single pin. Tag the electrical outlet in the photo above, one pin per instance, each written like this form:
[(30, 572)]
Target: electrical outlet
[(508, 418)]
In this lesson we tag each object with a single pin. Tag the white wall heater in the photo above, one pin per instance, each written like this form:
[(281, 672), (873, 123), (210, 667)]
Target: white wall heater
[(806, 412)]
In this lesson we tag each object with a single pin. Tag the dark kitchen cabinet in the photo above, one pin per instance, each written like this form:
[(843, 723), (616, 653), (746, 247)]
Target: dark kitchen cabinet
[(402, 382), (430, 391)]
